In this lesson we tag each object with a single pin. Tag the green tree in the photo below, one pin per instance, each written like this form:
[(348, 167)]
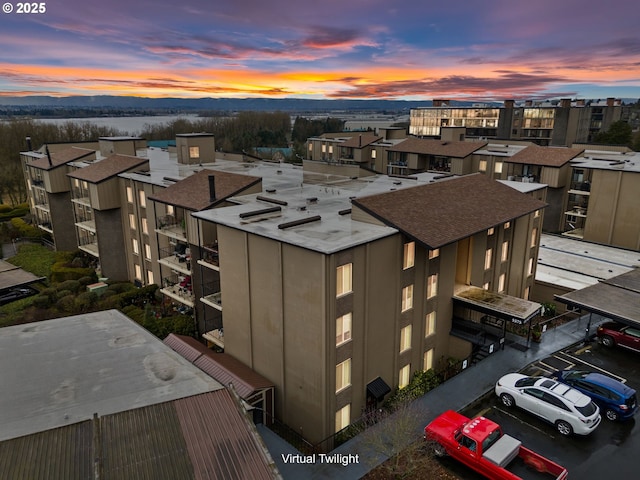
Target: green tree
[(619, 133)]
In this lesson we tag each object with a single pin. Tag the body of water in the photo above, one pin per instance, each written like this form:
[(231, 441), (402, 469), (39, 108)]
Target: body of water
[(125, 125)]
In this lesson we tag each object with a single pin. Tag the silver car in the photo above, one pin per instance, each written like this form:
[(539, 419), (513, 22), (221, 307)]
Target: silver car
[(565, 407)]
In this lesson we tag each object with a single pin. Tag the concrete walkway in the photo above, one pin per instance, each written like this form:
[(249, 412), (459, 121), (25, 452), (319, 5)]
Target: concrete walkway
[(455, 394)]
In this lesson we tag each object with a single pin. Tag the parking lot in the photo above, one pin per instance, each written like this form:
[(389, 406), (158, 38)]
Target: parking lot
[(608, 452)]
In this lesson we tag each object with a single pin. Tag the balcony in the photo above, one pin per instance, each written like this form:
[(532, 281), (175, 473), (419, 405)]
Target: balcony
[(172, 227), (215, 336), (210, 257), (90, 247), (86, 201), (89, 225), (178, 288), (211, 295), (176, 258), (46, 226)]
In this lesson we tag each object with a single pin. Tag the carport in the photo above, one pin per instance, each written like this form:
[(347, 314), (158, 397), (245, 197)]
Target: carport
[(617, 298), (14, 277), (481, 316)]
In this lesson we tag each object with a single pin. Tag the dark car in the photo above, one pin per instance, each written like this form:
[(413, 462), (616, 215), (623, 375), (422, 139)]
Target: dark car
[(15, 294), (612, 334), (616, 400)]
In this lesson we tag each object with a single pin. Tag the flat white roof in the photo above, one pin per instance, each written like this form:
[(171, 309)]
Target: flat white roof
[(575, 264), (62, 371), (605, 160)]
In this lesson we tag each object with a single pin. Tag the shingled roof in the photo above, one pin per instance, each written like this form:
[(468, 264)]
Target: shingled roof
[(437, 147), (193, 193), (545, 156), (361, 140), (61, 157), (440, 213), (109, 167)]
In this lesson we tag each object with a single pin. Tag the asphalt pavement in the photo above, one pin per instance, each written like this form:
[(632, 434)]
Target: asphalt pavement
[(380, 442)]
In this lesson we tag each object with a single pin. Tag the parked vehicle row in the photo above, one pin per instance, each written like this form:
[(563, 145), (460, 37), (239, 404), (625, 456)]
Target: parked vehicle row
[(613, 333), (16, 294)]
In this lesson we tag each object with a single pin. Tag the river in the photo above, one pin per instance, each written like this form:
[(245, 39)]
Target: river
[(125, 125)]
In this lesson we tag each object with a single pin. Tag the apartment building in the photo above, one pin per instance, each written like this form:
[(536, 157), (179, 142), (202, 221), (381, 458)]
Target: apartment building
[(602, 202), (49, 191), (338, 293), (96, 200), (559, 123)]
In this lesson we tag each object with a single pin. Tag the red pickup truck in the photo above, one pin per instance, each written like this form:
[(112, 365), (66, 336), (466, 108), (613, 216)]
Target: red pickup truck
[(481, 445)]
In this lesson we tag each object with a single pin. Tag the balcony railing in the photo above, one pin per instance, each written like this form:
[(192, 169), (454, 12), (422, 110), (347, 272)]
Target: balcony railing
[(171, 226), (172, 258), (178, 287), (210, 256), (211, 295)]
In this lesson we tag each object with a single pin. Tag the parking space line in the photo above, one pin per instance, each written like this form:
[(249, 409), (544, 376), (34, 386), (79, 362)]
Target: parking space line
[(611, 374), (523, 422), (543, 369)]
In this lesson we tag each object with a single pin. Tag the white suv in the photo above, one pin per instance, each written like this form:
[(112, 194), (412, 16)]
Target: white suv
[(566, 408)]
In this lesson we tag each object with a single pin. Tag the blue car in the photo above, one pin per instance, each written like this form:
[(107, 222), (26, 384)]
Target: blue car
[(616, 400)]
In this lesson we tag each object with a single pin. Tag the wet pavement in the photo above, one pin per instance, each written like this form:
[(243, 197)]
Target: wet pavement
[(456, 394)]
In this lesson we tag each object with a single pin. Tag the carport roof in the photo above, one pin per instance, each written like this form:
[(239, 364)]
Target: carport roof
[(12, 276), (617, 298), (498, 304)]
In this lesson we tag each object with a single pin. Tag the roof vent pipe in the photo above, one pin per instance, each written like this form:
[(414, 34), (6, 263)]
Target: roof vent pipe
[(212, 188), (29, 147)]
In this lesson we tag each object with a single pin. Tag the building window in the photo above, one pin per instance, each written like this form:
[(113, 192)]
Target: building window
[(149, 277), (430, 324), (501, 282), (134, 243), (530, 267), (409, 255), (170, 210), (324, 148), (487, 258), (132, 221), (138, 273), (534, 237), (526, 293), (194, 152), (483, 166), (343, 329), (428, 360), (536, 214), (343, 375), (507, 225), (330, 148), (505, 251), (435, 253), (147, 251), (407, 298), (373, 154), (311, 147), (403, 376), (405, 339), (129, 193), (343, 417), (498, 167), (491, 231), (85, 185), (145, 226), (343, 280), (432, 285), (143, 199), (486, 286)]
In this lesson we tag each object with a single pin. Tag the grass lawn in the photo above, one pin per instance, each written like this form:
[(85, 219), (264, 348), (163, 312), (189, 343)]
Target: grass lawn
[(35, 259)]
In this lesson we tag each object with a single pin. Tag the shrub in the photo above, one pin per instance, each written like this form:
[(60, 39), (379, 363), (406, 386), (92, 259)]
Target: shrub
[(121, 287), (4, 208), (73, 285), (64, 293), (41, 301), (67, 303), (60, 272), (24, 229), (88, 280), (85, 301)]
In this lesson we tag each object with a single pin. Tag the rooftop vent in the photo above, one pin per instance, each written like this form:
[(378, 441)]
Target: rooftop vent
[(302, 221), (272, 200), (270, 190), (171, 179), (397, 183), (346, 211), (262, 211), (312, 200)]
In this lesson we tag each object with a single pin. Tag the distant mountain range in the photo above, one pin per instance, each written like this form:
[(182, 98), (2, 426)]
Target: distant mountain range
[(220, 104)]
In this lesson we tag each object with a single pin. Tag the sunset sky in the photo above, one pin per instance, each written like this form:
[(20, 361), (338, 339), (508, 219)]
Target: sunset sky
[(416, 49)]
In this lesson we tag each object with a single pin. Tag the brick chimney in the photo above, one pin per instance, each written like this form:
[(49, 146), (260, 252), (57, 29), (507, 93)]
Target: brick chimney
[(509, 103), (565, 103), (440, 102), (528, 103), (212, 188), (610, 101)]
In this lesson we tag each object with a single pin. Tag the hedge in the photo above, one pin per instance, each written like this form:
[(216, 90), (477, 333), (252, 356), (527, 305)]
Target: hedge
[(60, 272)]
